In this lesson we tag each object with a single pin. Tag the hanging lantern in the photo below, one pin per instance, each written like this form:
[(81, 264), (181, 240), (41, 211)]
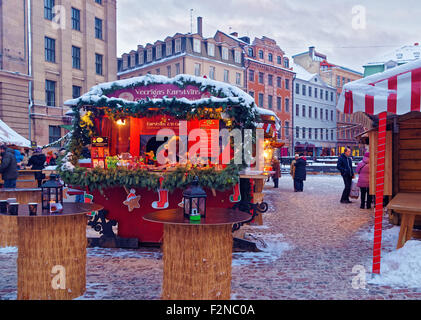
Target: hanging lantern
[(51, 192), (194, 200)]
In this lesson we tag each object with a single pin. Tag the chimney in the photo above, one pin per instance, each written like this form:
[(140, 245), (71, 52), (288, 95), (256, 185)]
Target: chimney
[(311, 52), (235, 34), (199, 26)]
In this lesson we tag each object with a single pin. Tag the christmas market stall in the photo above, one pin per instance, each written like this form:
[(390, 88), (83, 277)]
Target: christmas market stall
[(392, 99), (121, 158)]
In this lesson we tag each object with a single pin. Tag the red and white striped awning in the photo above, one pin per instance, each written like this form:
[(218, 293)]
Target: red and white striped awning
[(397, 91)]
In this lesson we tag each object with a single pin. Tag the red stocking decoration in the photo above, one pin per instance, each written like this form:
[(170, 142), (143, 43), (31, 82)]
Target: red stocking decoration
[(236, 197), (162, 203)]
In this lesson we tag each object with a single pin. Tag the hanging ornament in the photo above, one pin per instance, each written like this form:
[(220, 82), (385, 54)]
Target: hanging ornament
[(162, 203), (132, 200)]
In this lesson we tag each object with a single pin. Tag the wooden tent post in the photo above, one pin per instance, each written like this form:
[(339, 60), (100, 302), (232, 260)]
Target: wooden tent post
[(381, 152)]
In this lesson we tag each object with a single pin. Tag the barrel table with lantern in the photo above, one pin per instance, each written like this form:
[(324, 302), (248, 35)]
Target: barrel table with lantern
[(52, 252), (197, 255)]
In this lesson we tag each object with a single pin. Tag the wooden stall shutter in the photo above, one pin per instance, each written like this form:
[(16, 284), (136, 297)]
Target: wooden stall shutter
[(373, 136)]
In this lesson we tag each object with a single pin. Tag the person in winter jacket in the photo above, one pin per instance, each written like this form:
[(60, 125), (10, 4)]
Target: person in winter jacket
[(8, 167), (344, 165), (276, 166), (19, 157), (292, 169), (300, 173), (37, 162), (363, 170)]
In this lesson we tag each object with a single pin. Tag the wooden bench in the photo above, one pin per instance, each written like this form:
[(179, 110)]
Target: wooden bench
[(409, 206)]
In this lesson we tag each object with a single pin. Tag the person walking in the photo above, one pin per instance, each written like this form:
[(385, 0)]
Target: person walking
[(37, 162), (276, 166), (292, 169), (363, 170), (344, 165), (8, 167), (300, 173)]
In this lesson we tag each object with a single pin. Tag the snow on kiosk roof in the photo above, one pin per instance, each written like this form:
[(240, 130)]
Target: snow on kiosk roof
[(10, 137), (395, 91)]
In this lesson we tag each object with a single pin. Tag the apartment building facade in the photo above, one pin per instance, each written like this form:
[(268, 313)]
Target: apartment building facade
[(314, 114), (60, 48), (186, 54)]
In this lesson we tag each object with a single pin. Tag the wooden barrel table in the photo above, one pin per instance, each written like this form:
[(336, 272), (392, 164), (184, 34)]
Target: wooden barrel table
[(197, 256), (52, 252)]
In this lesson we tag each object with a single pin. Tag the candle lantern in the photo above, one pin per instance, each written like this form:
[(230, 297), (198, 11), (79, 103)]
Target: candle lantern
[(194, 198), (51, 191)]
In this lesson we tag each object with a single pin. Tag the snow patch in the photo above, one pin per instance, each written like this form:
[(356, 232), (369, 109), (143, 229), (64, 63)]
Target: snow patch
[(8, 250)]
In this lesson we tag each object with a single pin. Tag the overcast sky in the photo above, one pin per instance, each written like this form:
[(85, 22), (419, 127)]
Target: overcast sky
[(329, 25)]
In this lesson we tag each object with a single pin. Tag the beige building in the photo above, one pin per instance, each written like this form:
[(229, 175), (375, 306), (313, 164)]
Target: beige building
[(188, 54), (52, 51)]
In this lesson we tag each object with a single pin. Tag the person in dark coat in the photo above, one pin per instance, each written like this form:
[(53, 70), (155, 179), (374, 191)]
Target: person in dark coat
[(276, 166), (344, 165), (8, 167), (37, 162), (300, 173)]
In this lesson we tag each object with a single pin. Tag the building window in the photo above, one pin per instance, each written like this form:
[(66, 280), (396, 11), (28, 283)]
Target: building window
[(54, 133), (261, 76), (260, 100), (251, 75), (326, 95), (158, 53), (76, 90), (331, 96), (224, 53), (270, 98), (316, 134), (270, 57), (315, 92), (168, 48), (327, 134), (315, 112), (48, 9), (169, 71), (331, 135), (149, 55), (270, 80), (226, 75), (211, 49), (327, 114), (286, 105), (304, 133), (310, 133), (279, 103), (297, 132), (309, 91), (75, 57), (286, 63), (338, 81), (304, 111), (261, 54), (98, 64), (304, 90), (250, 52), (287, 84), (279, 82), (297, 88), (98, 1), (98, 28), (178, 45), (286, 128), (237, 56), (321, 114), (238, 78), (321, 93), (297, 110), (50, 93), (196, 45), (50, 49), (251, 93), (279, 60), (158, 71), (177, 68), (212, 72), (75, 19), (309, 111), (331, 115)]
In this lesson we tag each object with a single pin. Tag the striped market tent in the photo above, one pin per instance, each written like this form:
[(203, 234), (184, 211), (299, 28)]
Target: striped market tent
[(395, 91)]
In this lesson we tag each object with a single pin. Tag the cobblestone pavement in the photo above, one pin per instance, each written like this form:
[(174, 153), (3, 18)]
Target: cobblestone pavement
[(310, 245)]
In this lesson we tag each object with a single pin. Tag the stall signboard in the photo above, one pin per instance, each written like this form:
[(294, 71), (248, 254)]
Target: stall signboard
[(159, 91), (100, 142)]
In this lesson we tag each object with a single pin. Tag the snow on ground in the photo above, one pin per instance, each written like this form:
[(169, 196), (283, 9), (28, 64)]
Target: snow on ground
[(401, 268), (8, 250)]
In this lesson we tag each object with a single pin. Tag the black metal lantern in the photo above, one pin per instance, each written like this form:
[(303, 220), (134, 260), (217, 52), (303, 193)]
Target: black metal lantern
[(194, 198), (51, 191)]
